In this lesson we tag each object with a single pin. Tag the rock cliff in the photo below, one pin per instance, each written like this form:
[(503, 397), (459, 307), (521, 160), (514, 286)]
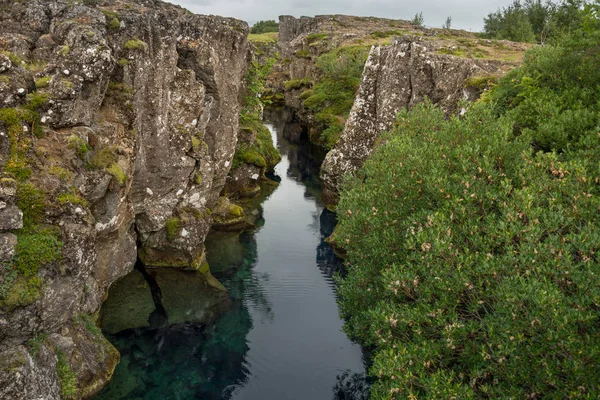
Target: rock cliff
[(396, 77), (118, 126)]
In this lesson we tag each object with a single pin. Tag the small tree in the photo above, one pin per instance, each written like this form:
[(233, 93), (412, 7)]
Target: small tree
[(418, 20), (448, 23), (265, 27)]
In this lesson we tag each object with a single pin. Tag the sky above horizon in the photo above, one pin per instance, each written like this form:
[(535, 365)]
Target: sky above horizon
[(466, 14)]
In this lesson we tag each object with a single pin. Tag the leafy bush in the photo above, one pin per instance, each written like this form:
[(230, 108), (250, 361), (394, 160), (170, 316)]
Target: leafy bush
[(264, 27), (473, 243), (473, 262), (533, 20)]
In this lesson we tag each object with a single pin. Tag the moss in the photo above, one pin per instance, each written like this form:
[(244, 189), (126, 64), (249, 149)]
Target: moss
[(134, 44), (36, 250), (71, 198), (123, 62), (108, 13), (303, 54), (236, 210), (68, 379), (87, 321), (4, 79), (114, 23), (24, 292), (315, 37), (172, 228), (297, 84), (65, 51), (198, 180), (117, 172), (196, 142), (42, 82), (32, 203), (104, 157), (61, 173), (481, 82), (261, 153)]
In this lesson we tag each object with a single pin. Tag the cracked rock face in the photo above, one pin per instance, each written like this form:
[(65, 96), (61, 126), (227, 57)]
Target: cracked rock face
[(140, 124), (396, 77)]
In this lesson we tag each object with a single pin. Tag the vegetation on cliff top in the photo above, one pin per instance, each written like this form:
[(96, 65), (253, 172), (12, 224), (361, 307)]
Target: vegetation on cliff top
[(265, 27), (331, 98), (473, 242)]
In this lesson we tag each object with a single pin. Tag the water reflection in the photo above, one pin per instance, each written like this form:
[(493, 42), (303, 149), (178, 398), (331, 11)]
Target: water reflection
[(282, 337)]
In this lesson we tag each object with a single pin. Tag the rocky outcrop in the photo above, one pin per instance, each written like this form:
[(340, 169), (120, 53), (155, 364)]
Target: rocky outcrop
[(397, 77), (118, 125)]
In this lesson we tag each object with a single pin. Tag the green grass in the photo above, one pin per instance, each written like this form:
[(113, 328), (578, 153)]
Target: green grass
[(270, 37), (66, 376)]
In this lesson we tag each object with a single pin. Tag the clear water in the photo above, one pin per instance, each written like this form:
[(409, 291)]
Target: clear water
[(282, 337)]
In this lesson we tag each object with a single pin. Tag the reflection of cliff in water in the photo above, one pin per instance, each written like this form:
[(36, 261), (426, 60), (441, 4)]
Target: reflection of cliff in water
[(191, 360)]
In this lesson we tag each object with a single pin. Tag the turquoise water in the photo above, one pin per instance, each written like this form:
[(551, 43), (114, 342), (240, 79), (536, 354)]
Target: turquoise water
[(281, 337)]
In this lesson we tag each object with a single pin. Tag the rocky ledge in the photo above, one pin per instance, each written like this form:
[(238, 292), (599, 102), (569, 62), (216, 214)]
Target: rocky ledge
[(118, 126)]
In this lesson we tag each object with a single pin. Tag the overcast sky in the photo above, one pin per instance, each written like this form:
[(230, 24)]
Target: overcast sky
[(466, 14)]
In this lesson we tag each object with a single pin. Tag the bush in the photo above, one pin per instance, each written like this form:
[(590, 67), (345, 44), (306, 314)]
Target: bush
[(418, 20), (473, 262), (264, 27)]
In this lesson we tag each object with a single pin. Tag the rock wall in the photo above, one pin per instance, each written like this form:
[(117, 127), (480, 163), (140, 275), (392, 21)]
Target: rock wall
[(120, 119), (397, 77)]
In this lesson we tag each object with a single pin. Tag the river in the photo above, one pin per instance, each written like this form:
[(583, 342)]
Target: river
[(282, 337)]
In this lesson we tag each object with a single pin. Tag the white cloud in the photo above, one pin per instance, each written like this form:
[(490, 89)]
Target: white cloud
[(466, 14)]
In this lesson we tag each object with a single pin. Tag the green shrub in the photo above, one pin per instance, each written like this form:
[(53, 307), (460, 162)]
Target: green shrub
[(172, 228), (473, 269), (264, 27)]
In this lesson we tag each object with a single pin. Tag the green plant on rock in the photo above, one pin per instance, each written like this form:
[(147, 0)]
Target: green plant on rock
[(316, 37), (72, 198), (261, 152), (471, 271), (173, 228), (303, 54), (134, 44), (332, 97), (68, 379), (35, 344), (117, 172), (35, 250), (114, 24), (42, 82), (81, 147), (295, 84)]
